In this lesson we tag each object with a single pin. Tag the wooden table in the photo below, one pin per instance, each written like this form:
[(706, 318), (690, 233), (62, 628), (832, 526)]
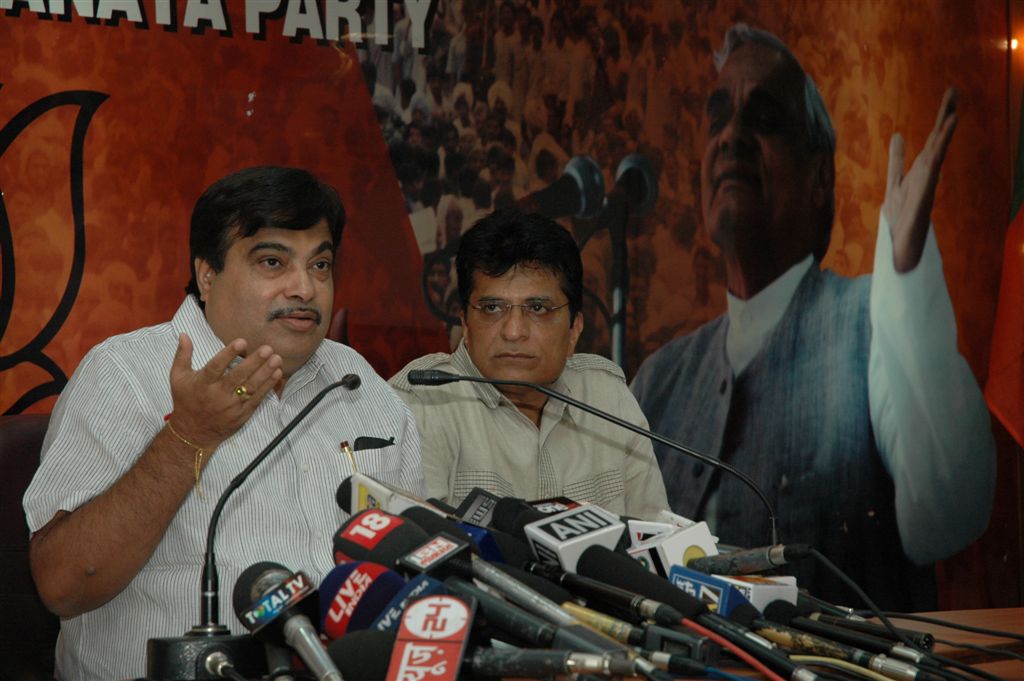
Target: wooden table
[(1002, 619)]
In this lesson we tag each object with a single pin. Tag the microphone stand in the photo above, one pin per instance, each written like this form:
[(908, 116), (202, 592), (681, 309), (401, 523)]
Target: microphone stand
[(174, 655), (209, 602), (438, 377)]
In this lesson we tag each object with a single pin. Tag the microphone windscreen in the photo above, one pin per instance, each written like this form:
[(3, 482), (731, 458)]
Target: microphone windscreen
[(344, 495), (637, 179), (362, 655), (417, 587), (514, 551), (805, 608), (255, 581), (378, 536), (430, 377), (782, 612), (353, 594), (605, 565), (506, 514), (351, 381), (499, 547), (745, 614)]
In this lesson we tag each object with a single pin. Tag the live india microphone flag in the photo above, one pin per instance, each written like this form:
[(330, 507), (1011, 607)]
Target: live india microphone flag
[(1004, 389)]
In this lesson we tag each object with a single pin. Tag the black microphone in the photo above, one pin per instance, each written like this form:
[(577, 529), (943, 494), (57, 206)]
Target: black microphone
[(805, 642), (210, 642), (747, 561), (579, 191), (438, 377), (607, 566), (788, 614)]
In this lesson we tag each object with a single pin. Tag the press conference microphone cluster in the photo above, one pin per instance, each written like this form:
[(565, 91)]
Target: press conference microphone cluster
[(402, 581), (438, 377)]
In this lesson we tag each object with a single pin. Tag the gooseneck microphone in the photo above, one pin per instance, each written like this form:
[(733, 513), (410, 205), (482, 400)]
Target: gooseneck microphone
[(209, 601), (439, 377), (171, 658)]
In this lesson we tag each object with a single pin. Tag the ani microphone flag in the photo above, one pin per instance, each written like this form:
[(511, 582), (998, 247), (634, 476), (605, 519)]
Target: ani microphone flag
[(1004, 389)]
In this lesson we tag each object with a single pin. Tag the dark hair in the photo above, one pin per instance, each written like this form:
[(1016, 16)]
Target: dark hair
[(244, 202), (509, 238)]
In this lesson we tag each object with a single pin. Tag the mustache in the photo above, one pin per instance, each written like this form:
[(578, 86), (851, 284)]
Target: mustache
[(288, 311)]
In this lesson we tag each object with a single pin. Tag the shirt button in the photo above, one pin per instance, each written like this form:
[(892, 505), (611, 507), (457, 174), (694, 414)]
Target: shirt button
[(698, 468), (305, 468), (722, 386)]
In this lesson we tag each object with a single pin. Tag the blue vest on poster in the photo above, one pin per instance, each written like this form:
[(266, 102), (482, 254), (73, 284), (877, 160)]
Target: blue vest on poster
[(797, 422)]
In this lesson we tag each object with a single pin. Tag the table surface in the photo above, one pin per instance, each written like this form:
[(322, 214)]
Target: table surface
[(1002, 619)]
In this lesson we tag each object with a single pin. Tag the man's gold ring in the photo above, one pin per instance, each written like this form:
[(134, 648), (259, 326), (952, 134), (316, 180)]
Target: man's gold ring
[(242, 392)]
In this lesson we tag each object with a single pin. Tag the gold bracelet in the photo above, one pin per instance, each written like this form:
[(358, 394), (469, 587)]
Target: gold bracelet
[(199, 456)]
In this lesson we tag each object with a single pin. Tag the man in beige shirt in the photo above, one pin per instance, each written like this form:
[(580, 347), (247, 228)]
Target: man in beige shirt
[(520, 281)]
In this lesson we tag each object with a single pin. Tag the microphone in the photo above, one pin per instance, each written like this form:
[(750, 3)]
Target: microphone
[(209, 604), (802, 641), (607, 566), (373, 530), (439, 377), (363, 656), (359, 491), (353, 594), (788, 614), (579, 192), (747, 561), (651, 637), (443, 554), (281, 613), (821, 611), (478, 507), (562, 538), (527, 627), (391, 616), (432, 639), (166, 657), (660, 551)]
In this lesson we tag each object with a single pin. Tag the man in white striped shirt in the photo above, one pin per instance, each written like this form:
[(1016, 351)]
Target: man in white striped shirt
[(133, 463)]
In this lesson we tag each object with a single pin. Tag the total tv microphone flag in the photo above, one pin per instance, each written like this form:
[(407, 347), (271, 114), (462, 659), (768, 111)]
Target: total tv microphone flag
[(1004, 389)]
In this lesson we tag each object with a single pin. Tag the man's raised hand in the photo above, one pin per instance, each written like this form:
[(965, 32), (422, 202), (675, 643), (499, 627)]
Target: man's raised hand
[(211, 404), (909, 197)]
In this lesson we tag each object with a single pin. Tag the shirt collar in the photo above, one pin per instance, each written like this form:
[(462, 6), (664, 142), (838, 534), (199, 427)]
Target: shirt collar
[(492, 397), (752, 321)]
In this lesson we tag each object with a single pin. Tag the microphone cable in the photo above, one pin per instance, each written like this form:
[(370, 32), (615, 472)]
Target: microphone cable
[(934, 661)]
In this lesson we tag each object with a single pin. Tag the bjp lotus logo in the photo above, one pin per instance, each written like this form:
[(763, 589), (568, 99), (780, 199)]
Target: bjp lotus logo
[(42, 239)]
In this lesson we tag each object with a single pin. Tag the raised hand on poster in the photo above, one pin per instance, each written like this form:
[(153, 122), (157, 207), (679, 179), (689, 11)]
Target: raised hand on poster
[(909, 197)]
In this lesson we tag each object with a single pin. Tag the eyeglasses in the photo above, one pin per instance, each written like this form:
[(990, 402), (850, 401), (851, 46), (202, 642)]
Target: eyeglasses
[(538, 312)]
